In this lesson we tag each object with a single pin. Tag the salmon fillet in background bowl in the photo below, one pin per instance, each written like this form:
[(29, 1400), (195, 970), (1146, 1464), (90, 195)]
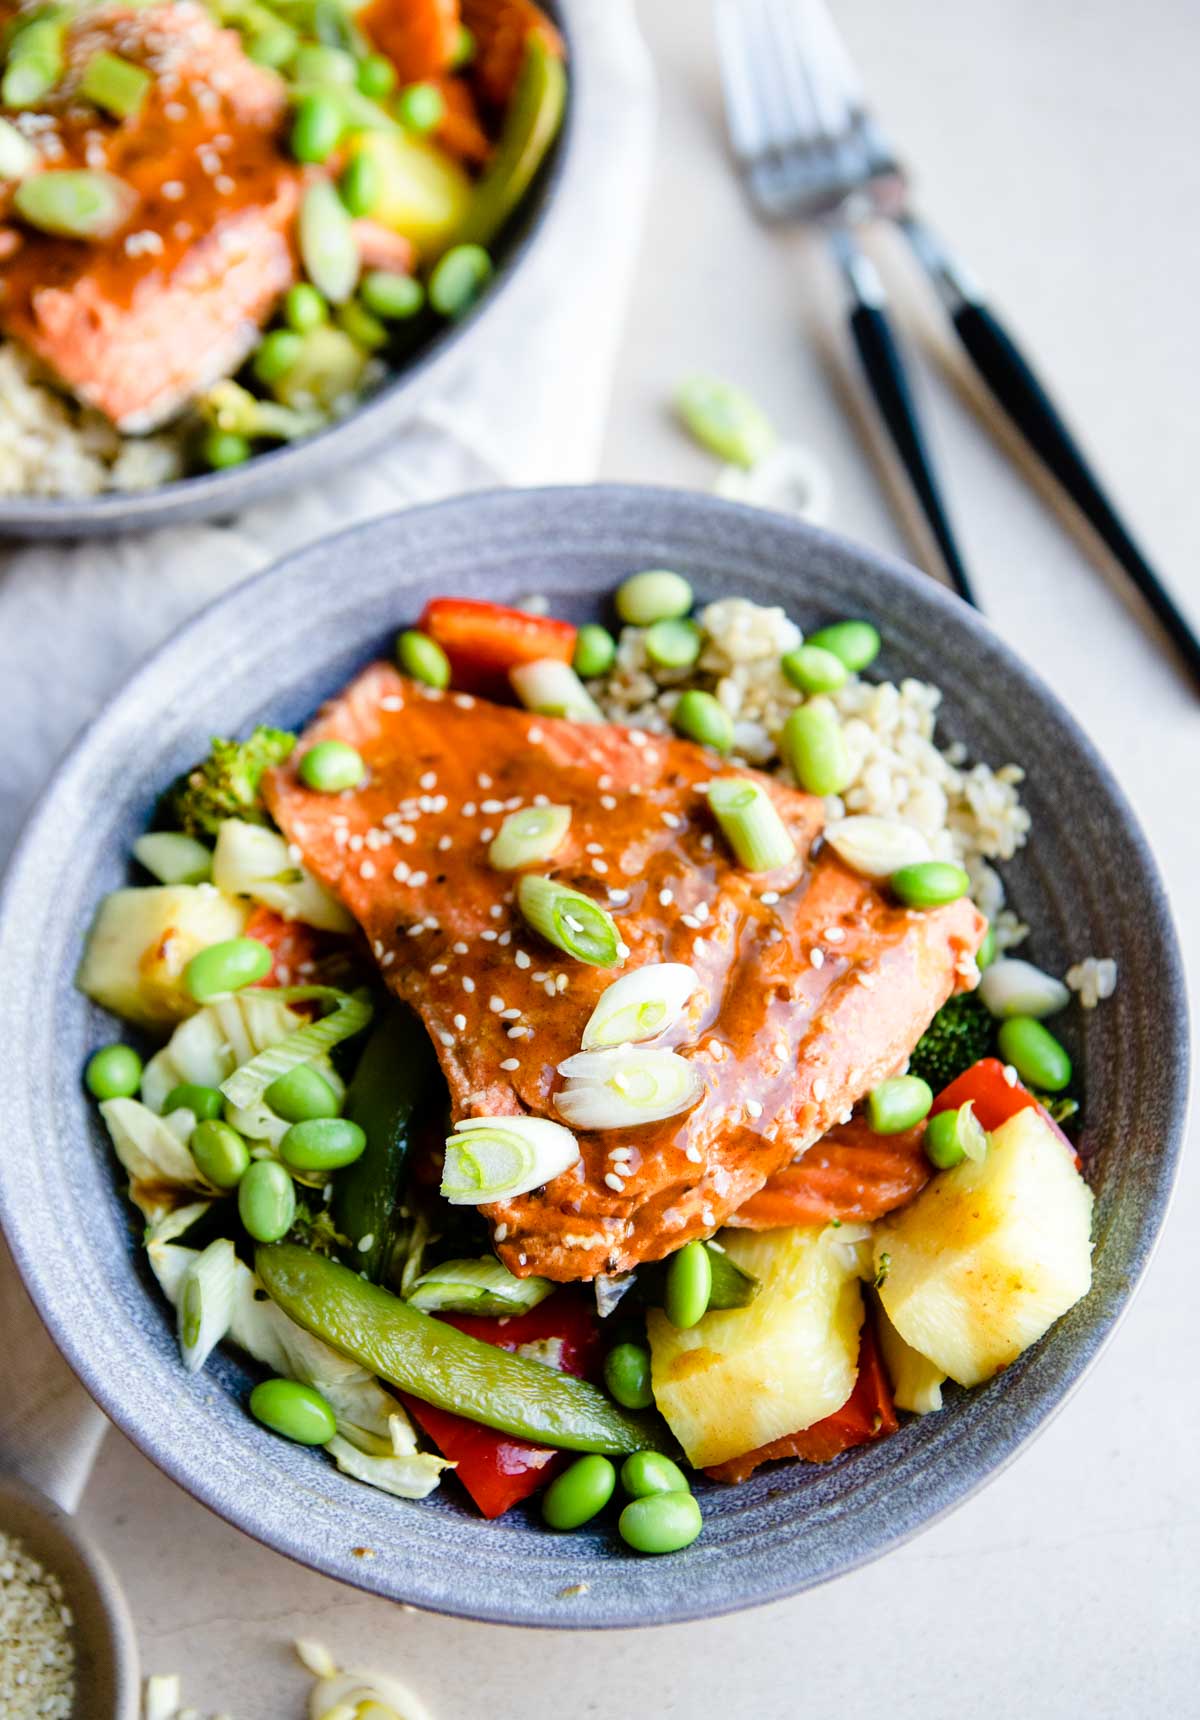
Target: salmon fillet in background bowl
[(132, 326), (272, 652)]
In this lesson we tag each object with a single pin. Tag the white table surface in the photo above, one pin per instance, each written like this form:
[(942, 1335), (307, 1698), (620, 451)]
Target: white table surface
[(1058, 145)]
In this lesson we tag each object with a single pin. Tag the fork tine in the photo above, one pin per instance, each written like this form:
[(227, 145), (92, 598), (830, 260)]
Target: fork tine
[(741, 111)]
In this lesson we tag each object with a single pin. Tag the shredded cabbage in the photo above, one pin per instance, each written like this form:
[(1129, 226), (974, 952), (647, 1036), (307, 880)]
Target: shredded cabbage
[(349, 1014)]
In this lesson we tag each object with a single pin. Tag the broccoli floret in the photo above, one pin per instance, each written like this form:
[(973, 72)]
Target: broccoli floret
[(959, 1035), (225, 785)]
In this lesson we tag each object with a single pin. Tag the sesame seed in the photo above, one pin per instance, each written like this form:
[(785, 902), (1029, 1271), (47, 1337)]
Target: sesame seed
[(593, 848), (438, 968), (419, 878), (819, 1089), (608, 802), (817, 958), (693, 1153), (501, 1232), (469, 809), (490, 936), (691, 922), (367, 869), (1010, 1074), (521, 959), (520, 1033), (522, 1259), (672, 821), (486, 834), (483, 780), (464, 701), (666, 897), (460, 1021), (445, 843), (769, 898), (446, 1038), (495, 1004), (391, 703), (510, 1014), (496, 911), (460, 949), (540, 978), (511, 1063), (614, 1182), (754, 1107), (834, 935), (618, 898), (468, 984), (535, 734), (604, 782), (491, 807), (599, 868)]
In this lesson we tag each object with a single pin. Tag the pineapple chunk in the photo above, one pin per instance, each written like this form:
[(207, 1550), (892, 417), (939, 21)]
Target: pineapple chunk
[(916, 1382), (990, 1254), (250, 860), (142, 939), (745, 1376)]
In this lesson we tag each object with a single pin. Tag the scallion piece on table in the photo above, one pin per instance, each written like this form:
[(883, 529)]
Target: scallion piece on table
[(328, 248), (640, 1005), (750, 823), (476, 1287), (206, 1299), (570, 921), (349, 1014), (17, 154), (529, 836), (495, 1158), (553, 689), (115, 85), (725, 420), (623, 1088), (75, 203)]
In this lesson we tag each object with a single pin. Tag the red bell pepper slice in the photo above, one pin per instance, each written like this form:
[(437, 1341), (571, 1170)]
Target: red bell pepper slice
[(985, 1086), (294, 947), (867, 1414), (497, 1470), (484, 641)]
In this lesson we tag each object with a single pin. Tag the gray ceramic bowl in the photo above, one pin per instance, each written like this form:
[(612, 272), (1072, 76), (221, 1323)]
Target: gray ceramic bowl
[(272, 650), (218, 495)]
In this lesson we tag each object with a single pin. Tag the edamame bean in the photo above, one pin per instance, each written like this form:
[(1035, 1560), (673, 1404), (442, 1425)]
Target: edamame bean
[(942, 1145), (673, 644), (458, 279), (813, 669), (627, 1375), (857, 643), (1034, 1053), (420, 107), (266, 1200), (391, 295), (226, 967), (648, 1472), (574, 1497), (220, 1153), (205, 1103), (689, 1285), (656, 595), (317, 127), (224, 448), (702, 717), (113, 1072), (376, 76), (302, 1094), (318, 63), (815, 747), (276, 355), (322, 1144), (360, 186), (295, 1411), (364, 329), (595, 649), (985, 955), (304, 308), (660, 1523), (929, 883), (423, 658), (331, 766), (899, 1104)]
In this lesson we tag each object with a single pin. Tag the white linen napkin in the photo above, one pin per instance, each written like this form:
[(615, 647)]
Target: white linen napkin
[(75, 618)]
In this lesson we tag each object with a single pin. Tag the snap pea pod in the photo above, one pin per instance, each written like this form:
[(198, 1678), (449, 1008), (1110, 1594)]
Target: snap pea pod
[(530, 127), (445, 1367), (394, 1074)]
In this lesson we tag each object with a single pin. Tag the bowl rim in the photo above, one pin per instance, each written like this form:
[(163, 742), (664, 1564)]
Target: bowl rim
[(492, 505), (208, 495)]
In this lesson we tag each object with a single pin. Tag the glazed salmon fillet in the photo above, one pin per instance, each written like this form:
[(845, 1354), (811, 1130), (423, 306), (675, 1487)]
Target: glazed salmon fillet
[(138, 323), (814, 985), (852, 1174)]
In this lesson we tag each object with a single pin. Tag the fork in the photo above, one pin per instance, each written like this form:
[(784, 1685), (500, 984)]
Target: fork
[(849, 169), (802, 158)]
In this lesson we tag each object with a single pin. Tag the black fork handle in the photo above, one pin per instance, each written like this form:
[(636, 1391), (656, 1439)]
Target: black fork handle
[(1015, 388), (886, 374)]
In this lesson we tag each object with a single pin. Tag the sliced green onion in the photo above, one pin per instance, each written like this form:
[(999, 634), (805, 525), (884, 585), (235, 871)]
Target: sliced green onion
[(876, 847), (1013, 987), (174, 858), (349, 1014), (972, 1136), (75, 203), (724, 420), (476, 1287), (640, 1005), (35, 60), (553, 689), (115, 85), (622, 1089), (328, 248), (530, 836), (207, 1295), (750, 823), (495, 1158), (570, 921), (17, 154)]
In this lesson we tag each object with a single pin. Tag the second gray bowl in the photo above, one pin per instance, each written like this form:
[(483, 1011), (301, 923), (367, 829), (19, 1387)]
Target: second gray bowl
[(271, 651)]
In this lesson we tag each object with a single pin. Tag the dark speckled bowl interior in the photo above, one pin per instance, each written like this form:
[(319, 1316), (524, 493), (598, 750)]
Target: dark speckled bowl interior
[(272, 650)]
